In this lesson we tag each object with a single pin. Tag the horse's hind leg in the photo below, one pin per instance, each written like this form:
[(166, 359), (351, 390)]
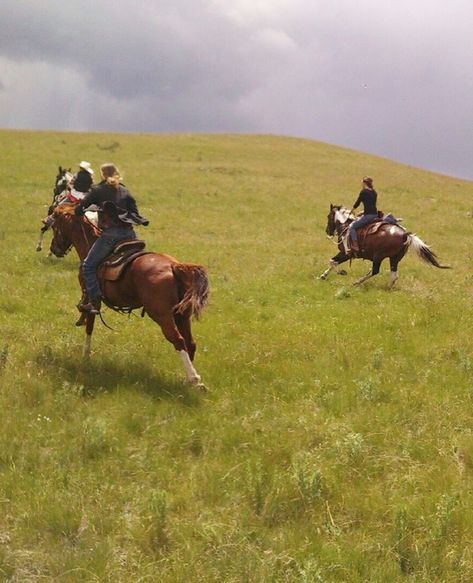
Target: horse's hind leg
[(393, 261), (173, 335), (183, 324)]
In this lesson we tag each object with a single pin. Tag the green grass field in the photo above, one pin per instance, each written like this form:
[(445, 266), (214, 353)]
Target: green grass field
[(336, 441)]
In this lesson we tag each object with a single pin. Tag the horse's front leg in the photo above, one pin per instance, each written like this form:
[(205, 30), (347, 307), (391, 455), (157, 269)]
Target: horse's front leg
[(39, 243), (333, 265), (89, 328), (364, 278), (372, 272)]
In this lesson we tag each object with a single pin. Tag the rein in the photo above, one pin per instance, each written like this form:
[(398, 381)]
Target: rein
[(84, 232)]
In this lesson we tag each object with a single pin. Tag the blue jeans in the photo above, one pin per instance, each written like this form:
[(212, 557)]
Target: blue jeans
[(361, 222), (102, 247)]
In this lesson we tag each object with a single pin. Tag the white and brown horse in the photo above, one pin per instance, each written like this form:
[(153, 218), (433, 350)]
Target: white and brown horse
[(61, 186), (386, 241)]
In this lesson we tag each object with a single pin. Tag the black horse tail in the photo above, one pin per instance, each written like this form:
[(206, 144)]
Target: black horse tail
[(193, 286), (423, 251)]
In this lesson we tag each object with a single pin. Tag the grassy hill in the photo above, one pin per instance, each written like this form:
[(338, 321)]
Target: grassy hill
[(336, 442)]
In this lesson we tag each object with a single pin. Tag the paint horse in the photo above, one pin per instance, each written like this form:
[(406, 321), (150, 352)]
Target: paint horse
[(377, 241), (60, 189), (169, 291)]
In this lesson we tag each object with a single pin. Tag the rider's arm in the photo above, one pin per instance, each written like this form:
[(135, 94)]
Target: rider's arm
[(133, 210), (358, 201), (89, 199)]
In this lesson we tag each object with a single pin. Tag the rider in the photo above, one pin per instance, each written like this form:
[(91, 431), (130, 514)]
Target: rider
[(82, 181), (118, 213), (80, 184), (368, 197)]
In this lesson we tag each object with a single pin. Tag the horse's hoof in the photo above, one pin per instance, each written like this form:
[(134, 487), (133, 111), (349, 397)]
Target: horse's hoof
[(323, 277), (198, 384), (38, 248), (342, 272)]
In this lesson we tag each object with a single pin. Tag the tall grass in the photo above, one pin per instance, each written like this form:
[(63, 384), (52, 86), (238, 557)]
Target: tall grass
[(336, 442)]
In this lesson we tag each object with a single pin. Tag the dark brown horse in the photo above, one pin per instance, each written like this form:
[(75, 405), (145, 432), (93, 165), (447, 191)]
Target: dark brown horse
[(168, 291), (389, 240)]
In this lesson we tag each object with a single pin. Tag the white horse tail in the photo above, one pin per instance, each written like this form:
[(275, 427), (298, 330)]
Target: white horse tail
[(423, 251)]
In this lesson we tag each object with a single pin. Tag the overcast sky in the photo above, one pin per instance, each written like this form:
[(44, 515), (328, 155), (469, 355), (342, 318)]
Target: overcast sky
[(388, 77)]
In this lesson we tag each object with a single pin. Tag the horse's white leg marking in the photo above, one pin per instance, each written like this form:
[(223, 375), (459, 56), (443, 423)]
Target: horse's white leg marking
[(332, 265), (87, 344), (392, 279), (192, 375), (364, 278)]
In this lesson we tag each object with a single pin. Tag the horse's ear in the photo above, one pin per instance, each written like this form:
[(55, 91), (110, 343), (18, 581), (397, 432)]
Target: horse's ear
[(60, 169), (331, 206)]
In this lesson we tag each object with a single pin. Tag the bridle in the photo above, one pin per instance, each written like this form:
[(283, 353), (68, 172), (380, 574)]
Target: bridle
[(339, 227), (59, 240)]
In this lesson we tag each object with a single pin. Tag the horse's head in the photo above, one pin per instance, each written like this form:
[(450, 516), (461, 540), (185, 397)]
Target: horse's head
[(63, 225), (331, 226), (71, 230), (338, 215), (62, 181)]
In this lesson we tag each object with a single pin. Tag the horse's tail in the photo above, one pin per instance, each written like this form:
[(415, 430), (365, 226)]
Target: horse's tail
[(423, 251), (193, 284)]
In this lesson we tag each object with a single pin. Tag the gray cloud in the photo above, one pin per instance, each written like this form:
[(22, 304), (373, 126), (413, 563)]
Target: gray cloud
[(388, 78)]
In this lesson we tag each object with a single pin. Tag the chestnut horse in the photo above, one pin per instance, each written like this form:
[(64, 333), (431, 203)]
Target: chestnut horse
[(390, 240), (168, 291)]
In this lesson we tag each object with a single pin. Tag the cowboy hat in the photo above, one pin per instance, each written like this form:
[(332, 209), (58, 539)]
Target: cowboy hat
[(86, 166)]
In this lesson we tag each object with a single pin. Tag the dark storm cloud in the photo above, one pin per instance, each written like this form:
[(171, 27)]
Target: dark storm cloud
[(388, 78)]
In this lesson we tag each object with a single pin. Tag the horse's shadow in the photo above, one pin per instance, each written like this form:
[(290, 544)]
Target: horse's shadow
[(90, 378)]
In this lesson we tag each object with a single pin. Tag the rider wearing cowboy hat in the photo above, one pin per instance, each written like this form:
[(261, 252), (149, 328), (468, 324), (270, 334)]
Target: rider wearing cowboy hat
[(82, 181)]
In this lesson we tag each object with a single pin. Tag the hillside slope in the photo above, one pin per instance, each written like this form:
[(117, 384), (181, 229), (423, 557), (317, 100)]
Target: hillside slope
[(336, 442)]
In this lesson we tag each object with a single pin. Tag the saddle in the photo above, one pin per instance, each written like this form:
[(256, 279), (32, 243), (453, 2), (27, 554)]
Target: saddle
[(374, 226), (113, 267), (370, 228)]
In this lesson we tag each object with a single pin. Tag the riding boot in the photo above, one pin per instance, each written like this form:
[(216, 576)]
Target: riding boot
[(92, 307)]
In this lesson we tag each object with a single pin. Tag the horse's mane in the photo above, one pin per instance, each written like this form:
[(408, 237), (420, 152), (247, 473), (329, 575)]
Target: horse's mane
[(68, 211), (344, 212), (66, 208)]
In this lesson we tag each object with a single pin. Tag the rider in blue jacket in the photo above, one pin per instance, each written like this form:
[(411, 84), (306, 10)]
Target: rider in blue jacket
[(118, 214)]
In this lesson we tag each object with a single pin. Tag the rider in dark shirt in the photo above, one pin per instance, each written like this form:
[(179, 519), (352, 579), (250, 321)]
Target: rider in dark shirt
[(118, 213), (368, 197), (83, 180)]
